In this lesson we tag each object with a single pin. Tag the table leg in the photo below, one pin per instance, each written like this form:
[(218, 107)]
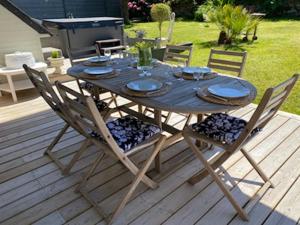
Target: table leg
[(140, 108), (157, 117), (199, 120), (12, 89)]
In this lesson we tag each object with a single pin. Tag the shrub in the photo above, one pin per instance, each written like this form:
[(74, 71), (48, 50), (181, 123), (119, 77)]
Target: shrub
[(208, 6), (139, 9), (183, 8), (160, 12), (232, 21), (55, 54)]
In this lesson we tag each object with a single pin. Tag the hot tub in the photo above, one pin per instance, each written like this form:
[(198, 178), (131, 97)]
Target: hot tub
[(76, 33)]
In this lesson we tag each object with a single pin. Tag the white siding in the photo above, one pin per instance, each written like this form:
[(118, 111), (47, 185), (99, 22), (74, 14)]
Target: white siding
[(15, 35)]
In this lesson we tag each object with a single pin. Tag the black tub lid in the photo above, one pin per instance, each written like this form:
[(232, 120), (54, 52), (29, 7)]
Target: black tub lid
[(81, 20)]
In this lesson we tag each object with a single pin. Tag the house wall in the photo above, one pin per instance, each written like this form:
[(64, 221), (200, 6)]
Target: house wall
[(15, 35), (63, 8)]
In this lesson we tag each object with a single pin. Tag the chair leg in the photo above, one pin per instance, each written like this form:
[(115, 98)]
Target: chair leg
[(216, 178), (90, 172), (138, 179), (168, 117), (80, 89), (189, 118), (75, 158), (256, 167), (57, 138)]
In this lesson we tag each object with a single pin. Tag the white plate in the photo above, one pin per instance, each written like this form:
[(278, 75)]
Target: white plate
[(191, 70), (229, 91), (98, 70), (98, 59), (144, 85)]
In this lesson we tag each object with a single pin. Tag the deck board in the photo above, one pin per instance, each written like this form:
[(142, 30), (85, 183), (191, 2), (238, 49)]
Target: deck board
[(33, 190)]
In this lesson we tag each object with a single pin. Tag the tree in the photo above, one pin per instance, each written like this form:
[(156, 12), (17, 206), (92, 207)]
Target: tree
[(160, 12), (125, 13)]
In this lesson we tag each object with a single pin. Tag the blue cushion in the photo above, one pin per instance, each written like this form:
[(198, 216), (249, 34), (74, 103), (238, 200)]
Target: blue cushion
[(222, 127), (129, 131), (87, 86), (101, 105)]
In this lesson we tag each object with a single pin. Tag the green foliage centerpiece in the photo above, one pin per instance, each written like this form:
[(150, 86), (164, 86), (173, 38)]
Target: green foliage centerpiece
[(144, 53)]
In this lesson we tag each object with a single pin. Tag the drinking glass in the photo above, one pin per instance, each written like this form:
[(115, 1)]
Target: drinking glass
[(107, 53), (197, 76)]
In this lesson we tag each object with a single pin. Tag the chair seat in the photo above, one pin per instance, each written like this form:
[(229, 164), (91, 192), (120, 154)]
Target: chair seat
[(222, 127), (87, 86), (101, 105), (129, 132)]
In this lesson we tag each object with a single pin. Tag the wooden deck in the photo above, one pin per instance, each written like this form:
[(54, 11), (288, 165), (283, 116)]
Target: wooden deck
[(33, 191)]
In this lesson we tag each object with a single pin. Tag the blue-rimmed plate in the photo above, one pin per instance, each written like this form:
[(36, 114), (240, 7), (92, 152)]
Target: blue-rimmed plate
[(98, 59), (144, 85), (98, 70), (192, 70), (228, 90)]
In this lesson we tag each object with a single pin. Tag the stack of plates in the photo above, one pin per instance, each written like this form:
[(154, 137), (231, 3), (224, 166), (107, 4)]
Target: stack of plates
[(98, 71), (98, 60), (228, 91), (144, 85), (191, 70)]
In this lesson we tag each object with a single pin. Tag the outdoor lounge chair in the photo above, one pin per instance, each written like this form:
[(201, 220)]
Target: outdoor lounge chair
[(235, 66), (45, 89), (119, 138), (231, 134)]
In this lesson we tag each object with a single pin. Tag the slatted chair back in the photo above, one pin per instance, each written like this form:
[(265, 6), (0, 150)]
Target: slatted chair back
[(45, 89), (178, 54), (271, 101), (171, 27), (234, 65), (81, 54)]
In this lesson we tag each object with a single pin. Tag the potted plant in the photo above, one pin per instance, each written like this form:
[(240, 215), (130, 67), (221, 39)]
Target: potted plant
[(144, 53), (56, 61)]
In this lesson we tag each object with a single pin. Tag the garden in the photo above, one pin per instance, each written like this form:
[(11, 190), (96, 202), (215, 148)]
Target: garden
[(272, 58)]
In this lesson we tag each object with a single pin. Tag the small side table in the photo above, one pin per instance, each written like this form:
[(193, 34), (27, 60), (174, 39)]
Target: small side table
[(13, 86)]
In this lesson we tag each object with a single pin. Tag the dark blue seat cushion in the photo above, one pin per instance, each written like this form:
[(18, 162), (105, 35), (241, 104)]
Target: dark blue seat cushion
[(101, 105), (129, 131), (222, 127), (87, 86)]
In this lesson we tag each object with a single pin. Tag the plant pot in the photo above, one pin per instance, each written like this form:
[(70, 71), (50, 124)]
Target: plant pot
[(57, 63)]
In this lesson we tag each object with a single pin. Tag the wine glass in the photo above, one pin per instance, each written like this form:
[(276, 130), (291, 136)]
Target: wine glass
[(197, 75), (107, 53)]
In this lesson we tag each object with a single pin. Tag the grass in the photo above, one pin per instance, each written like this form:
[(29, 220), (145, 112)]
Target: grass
[(273, 58)]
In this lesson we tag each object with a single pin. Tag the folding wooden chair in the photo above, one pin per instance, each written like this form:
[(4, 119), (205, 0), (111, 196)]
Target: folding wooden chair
[(45, 89), (80, 55), (119, 138), (235, 64), (180, 55), (231, 134)]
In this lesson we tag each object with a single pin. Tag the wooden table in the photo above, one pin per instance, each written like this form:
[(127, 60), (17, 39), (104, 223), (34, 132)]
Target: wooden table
[(180, 99)]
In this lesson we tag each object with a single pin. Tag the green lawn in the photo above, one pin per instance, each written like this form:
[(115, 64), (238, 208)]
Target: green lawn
[(273, 58)]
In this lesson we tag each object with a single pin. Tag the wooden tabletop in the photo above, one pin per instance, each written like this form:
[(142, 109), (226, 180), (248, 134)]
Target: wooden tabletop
[(181, 98)]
